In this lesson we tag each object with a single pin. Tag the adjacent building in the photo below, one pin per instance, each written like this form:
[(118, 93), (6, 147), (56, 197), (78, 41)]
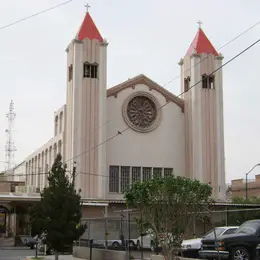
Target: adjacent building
[(238, 187)]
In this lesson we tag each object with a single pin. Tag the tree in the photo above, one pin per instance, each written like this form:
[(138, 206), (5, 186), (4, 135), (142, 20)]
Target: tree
[(58, 214), (168, 206), (239, 217)]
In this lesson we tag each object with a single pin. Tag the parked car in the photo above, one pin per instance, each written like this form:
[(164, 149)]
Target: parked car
[(242, 244), (191, 247), (149, 240), (30, 241)]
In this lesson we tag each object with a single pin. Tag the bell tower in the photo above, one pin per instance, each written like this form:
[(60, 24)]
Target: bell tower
[(86, 108), (204, 128)]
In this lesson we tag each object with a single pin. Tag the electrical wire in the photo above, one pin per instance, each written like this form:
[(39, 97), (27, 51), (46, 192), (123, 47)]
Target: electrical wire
[(175, 78), (206, 77), (127, 128), (35, 14), (223, 46), (120, 132), (64, 3)]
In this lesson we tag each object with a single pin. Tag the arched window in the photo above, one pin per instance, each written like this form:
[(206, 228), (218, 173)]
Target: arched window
[(59, 147), (70, 72), (54, 151), (204, 81), (186, 84), (61, 121), (90, 70), (212, 82), (50, 155), (56, 125), (87, 70), (208, 82)]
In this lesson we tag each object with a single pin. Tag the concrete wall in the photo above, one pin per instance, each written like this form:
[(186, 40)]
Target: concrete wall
[(161, 257), (163, 147), (100, 254)]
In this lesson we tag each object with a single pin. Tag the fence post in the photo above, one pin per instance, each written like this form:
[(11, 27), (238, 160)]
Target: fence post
[(142, 252), (90, 249), (89, 233), (129, 234), (106, 231)]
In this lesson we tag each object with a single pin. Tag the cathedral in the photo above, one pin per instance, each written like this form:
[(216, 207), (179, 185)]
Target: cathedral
[(136, 130)]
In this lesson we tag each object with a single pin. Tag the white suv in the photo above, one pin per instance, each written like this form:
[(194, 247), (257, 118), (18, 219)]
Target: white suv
[(191, 247)]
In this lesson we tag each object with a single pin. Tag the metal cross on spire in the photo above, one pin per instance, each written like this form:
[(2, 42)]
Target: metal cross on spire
[(199, 23), (87, 6)]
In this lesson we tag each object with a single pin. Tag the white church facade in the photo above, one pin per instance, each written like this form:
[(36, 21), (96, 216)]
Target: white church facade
[(136, 130)]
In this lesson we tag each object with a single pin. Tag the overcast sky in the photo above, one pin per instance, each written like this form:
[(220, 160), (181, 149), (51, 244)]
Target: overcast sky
[(145, 36)]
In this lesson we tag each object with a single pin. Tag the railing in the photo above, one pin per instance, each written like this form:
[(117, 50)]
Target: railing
[(26, 189)]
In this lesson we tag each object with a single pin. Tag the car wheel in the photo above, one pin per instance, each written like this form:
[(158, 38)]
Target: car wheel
[(115, 245), (239, 253), (152, 246), (50, 252)]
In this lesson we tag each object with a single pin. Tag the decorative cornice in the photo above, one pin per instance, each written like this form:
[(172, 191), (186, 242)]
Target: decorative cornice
[(142, 79)]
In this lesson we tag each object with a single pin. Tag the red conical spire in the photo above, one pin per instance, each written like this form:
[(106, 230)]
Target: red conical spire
[(201, 44), (89, 30)]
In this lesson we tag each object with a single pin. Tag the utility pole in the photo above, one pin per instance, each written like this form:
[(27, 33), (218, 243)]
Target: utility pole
[(247, 179), (10, 148)]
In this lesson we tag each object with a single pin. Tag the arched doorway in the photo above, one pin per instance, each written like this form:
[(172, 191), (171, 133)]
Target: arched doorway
[(3, 216)]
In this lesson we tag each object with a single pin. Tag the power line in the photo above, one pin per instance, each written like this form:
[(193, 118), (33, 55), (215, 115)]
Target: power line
[(120, 132), (206, 77), (124, 130), (35, 14), (232, 40), (64, 3)]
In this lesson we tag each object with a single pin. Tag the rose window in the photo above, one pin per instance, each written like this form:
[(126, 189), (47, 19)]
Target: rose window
[(141, 111)]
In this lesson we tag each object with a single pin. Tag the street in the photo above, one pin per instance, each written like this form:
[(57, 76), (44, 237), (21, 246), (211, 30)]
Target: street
[(21, 254), (15, 254)]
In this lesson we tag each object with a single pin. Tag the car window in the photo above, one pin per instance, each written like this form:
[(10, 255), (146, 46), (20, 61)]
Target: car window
[(229, 231), (211, 233), (249, 227)]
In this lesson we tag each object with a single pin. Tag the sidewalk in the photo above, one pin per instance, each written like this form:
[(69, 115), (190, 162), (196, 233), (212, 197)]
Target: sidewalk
[(61, 257)]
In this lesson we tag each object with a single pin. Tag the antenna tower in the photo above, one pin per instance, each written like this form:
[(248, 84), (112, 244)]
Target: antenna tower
[(10, 148)]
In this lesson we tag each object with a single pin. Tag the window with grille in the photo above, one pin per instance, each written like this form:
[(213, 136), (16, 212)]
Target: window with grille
[(208, 81), (114, 179), (13, 185), (120, 177), (212, 82), (90, 70), (168, 172), (136, 174), (147, 173), (204, 81), (125, 178), (157, 173)]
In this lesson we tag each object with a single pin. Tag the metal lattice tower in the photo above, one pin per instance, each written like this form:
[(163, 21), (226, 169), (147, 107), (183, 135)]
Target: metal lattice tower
[(10, 148)]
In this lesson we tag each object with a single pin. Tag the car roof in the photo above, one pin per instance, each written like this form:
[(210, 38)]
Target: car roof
[(228, 227)]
